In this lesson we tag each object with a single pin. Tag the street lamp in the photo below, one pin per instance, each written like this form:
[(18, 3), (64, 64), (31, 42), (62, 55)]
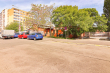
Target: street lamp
[(19, 17)]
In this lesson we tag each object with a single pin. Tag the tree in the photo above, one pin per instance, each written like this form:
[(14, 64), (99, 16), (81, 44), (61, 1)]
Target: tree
[(92, 11), (72, 18), (39, 15), (14, 26), (99, 21), (106, 10)]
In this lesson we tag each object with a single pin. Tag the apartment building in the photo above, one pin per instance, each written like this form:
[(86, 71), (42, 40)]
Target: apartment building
[(0, 21), (3, 19), (12, 15), (16, 15)]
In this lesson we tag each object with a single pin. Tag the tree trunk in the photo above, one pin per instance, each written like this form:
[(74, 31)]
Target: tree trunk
[(89, 34)]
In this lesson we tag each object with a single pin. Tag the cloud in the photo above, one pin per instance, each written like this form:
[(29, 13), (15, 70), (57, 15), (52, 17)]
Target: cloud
[(11, 0), (26, 4), (77, 2)]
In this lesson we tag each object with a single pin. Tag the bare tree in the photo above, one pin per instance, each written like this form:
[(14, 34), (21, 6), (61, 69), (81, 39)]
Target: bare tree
[(39, 15)]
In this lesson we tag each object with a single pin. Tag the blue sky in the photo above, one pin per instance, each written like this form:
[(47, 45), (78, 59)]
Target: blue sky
[(26, 4)]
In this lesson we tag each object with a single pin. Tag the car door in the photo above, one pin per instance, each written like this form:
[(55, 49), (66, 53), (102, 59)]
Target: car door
[(33, 35), (30, 36)]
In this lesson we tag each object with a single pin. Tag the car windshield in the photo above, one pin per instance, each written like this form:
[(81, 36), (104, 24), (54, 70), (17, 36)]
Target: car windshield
[(27, 33), (21, 33), (38, 33)]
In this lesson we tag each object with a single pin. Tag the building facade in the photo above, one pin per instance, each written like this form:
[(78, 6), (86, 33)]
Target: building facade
[(12, 15), (3, 19), (16, 15), (0, 21)]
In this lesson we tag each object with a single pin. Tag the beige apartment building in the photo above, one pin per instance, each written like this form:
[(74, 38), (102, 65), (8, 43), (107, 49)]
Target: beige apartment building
[(0, 21), (12, 15), (3, 19)]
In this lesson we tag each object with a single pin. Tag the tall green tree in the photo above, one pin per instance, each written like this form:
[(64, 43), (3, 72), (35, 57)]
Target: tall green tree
[(14, 26), (106, 10)]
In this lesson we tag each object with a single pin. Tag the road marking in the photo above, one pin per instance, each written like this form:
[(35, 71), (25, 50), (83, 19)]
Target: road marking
[(97, 45), (81, 44)]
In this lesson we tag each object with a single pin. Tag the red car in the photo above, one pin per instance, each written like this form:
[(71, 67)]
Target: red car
[(23, 35)]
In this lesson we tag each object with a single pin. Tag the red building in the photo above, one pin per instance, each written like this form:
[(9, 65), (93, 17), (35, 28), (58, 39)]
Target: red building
[(46, 30)]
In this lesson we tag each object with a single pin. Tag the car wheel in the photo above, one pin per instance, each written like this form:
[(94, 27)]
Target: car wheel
[(22, 38), (10, 37), (34, 39)]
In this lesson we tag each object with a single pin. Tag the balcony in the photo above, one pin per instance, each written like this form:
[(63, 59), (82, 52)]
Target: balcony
[(16, 14)]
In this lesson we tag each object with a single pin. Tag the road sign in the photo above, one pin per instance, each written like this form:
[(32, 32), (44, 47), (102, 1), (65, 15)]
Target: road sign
[(65, 28)]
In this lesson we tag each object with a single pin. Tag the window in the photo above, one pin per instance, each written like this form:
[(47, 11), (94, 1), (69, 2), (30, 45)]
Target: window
[(33, 33), (39, 34), (30, 33), (27, 33), (16, 33), (22, 33)]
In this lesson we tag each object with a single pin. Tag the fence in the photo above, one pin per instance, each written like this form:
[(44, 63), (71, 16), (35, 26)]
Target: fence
[(96, 34)]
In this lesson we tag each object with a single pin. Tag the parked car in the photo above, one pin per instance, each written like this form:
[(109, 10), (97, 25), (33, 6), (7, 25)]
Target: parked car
[(35, 36), (0, 35), (16, 35), (7, 34), (23, 35)]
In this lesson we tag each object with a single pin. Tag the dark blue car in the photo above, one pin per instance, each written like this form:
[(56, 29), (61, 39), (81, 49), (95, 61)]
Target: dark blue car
[(16, 35), (35, 36)]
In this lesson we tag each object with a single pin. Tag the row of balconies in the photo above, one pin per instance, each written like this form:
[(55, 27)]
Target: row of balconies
[(19, 19), (18, 11)]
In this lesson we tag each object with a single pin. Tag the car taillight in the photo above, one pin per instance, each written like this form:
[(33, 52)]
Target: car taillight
[(36, 35)]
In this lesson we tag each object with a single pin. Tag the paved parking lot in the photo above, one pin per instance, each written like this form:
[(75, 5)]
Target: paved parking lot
[(54, 56)]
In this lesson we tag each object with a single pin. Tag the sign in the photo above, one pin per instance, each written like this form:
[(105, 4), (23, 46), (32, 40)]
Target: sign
[(65, 28)]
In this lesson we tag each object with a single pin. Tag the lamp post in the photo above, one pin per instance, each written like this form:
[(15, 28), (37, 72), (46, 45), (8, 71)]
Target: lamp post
[(19, 18)]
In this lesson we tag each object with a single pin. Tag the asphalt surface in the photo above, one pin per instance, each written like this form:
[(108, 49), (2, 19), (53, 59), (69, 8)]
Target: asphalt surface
[(54, 56)]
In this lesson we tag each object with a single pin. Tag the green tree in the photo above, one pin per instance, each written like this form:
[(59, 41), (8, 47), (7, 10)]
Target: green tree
[(99, 21), (77, 21), (14, 26), (106, 10), (92, 11)]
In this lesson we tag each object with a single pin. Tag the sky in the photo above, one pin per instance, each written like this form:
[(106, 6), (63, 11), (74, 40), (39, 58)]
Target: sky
[(26, 4)]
